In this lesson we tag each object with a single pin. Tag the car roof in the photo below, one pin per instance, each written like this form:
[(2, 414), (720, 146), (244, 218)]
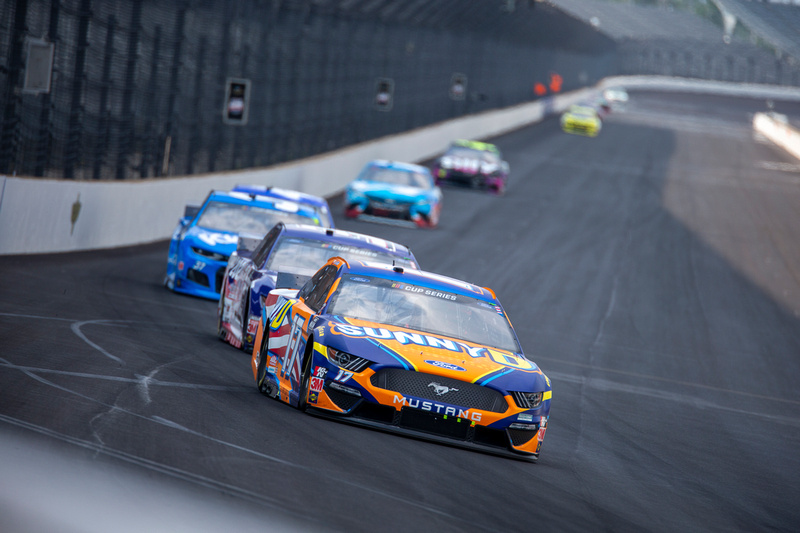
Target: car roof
[(397, 165), (582, 108), (422, 278), (277, 192), (267, 202), (350, 238)]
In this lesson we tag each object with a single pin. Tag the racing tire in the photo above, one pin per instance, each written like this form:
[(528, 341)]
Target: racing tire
[(302, 401), (220, 308), (261, 369), (245, 319)]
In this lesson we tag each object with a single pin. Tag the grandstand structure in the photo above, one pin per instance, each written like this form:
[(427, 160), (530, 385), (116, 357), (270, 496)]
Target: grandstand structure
[(661, 39), (777, 23)]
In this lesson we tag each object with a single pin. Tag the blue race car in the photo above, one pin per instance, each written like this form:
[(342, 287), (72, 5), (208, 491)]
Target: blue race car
[(396, 191), (317, 203), (206, 236), (285, 258)]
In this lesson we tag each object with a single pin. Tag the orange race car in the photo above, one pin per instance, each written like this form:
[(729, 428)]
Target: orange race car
[(403, 350)]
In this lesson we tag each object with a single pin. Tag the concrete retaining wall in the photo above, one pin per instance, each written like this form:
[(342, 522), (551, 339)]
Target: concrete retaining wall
[(45, 216)]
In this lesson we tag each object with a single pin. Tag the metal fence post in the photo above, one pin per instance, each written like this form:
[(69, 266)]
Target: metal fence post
[(44, 144), (196, 135), (72, 149), (164, 156), (8, 136), (127, 130), (150, 144), (101, 141)]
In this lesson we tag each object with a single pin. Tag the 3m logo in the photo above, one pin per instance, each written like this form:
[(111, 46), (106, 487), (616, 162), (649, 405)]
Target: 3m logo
[(316, 384)]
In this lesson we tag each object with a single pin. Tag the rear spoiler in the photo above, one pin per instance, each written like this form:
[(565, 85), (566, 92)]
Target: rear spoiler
[(290, 281)]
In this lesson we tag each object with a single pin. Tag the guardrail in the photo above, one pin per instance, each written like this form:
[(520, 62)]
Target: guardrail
[(46, 216)]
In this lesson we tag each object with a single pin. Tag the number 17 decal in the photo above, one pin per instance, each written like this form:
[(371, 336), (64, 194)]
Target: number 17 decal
[(343, 376)]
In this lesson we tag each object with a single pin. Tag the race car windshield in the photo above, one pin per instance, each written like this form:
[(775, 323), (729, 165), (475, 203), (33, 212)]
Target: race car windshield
[(396, 177), (304, 256), (423, 309), (583, 110), (462, 151), (222, 216)]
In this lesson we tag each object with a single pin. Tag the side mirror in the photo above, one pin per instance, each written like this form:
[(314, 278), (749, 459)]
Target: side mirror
[(190, 211)]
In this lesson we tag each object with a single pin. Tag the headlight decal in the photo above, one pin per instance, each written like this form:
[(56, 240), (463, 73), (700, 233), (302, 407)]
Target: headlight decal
[(527, 400)]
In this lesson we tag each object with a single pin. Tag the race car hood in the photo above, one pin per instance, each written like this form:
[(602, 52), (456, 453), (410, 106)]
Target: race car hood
[(431, 353), (385, 191), (220, 242)]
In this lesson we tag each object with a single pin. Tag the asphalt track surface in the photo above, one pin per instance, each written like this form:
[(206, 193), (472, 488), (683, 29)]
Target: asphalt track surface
[(653, 273)]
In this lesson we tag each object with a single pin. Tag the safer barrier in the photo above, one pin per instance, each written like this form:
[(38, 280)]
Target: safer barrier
[(44, 216)]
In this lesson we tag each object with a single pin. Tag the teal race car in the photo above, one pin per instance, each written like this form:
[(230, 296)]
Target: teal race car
[(392, 191)]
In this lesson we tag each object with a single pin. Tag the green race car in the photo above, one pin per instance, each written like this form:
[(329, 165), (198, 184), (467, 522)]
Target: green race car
[(581, 120)]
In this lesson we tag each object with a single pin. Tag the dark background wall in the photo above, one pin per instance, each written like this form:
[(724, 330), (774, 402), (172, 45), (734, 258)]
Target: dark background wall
[(140, 83), (139, 86)]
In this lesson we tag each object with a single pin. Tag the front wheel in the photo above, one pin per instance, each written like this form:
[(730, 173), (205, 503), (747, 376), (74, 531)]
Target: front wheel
[(221, 334), (261, 370), (245, 319), (302, 401)]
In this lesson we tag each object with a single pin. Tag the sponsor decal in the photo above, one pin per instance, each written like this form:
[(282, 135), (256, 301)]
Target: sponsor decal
[(343, 376), (424, 291), (320, 371), (279, 312), (214, 239), (440, 389), (352, 250), (419, 339), (448, 366), (313, 397), (252, 326), (316, 384), (525, 417), (435, 407), (360, 280)]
